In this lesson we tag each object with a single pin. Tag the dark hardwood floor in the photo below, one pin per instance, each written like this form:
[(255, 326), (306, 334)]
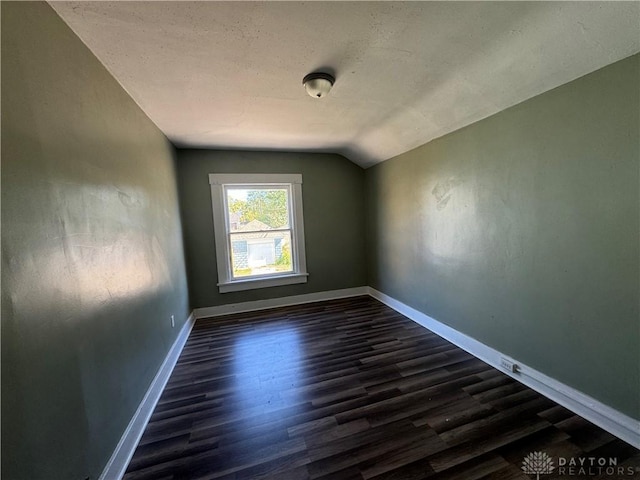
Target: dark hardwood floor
[(350, 389)]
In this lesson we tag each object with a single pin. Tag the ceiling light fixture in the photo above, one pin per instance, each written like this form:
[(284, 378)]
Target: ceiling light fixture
[(318, 84)]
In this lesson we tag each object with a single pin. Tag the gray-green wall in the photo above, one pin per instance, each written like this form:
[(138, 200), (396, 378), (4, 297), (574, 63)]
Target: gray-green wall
[(333, 202), (522, 231), (92, 262)]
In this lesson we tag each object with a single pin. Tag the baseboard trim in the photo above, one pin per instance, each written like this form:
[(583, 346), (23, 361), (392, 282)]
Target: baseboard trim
[(117, 464), (607, 418), (230, 308)]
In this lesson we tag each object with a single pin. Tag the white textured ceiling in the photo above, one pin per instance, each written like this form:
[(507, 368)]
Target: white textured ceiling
[(228, 74)]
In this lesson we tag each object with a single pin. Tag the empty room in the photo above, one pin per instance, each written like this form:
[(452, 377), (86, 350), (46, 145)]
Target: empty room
[(320, 240)]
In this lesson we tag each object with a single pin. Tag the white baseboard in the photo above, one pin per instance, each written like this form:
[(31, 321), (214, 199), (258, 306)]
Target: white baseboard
[(117, 464), (611, 420), (607, 418), (278, 302)]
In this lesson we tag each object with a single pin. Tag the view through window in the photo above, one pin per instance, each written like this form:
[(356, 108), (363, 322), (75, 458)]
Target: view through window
[(259, 230)]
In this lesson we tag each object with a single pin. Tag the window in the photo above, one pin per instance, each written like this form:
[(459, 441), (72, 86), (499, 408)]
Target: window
[(259, 230)]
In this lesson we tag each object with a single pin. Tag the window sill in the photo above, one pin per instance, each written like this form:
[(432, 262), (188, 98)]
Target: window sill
[(265, 282)]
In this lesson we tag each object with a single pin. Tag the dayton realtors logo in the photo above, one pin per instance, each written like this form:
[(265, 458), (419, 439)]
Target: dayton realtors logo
[(539, 463)]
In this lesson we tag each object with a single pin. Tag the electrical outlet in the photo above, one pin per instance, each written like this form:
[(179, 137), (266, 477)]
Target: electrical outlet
[(173, 321), (509, 365)]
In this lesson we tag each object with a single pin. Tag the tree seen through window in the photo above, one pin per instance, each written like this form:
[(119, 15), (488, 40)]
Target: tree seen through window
[(260, 234)]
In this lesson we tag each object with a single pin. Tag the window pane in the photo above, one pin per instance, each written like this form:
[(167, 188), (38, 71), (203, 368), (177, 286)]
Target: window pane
[(257, 209), (260, 253)]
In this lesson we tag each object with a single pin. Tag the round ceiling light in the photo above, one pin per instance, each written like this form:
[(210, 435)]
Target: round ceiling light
[(318, 84)]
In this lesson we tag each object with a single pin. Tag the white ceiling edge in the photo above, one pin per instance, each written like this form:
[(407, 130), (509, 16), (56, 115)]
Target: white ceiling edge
[(228, 75)]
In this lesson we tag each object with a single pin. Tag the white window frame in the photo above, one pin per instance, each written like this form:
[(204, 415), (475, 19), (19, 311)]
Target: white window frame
[(226, 282)]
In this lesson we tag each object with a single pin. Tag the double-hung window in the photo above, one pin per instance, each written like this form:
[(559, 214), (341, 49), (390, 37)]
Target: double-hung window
[(258, 229)]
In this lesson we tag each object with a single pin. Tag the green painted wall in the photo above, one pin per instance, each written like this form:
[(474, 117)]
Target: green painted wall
[(333, 202), (522, 231), (92, 262)]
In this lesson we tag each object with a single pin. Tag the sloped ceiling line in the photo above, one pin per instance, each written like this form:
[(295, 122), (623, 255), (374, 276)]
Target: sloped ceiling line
[(228, 74)]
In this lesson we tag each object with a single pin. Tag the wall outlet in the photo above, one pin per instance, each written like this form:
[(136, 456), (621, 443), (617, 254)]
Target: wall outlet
[(173, 321), (509, 365)]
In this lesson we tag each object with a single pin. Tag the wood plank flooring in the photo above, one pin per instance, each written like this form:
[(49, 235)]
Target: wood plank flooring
[(350, 389)]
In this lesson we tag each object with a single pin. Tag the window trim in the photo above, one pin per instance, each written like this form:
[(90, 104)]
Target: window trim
[(226, 282)]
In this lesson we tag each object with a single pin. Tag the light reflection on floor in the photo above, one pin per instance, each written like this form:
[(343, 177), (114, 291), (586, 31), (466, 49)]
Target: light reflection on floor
[(267, 368)]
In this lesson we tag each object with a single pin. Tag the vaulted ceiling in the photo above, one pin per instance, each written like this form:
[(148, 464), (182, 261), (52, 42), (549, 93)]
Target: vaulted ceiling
[(229, 74)]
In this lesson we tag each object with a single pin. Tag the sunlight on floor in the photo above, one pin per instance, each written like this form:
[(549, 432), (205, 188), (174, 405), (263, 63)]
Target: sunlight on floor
[(267, 366)]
